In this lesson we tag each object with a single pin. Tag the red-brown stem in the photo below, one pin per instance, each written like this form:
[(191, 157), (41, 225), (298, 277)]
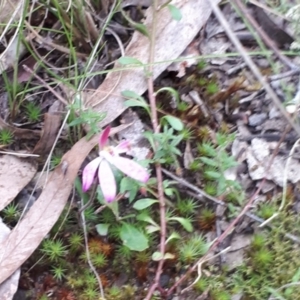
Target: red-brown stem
[(160, 191)]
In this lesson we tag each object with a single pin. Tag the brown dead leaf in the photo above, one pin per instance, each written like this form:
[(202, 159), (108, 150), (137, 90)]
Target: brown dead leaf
[(173, 37), (189, 58), (9, 287), (188, 157), (21, 133), (10, 11), (15, 174), (50, 130), (44, 213), (275, 33), (139, 146)]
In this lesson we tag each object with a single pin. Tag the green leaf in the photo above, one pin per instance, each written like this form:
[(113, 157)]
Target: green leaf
[(186, 224), (174, 122), (169, 256), (209, 161), (172, 91), (289, 291), (152, 228), (131, 94), (135, 100), (129, 185), (169, 192), (146, 218), (175, 12), (135, 103), (127, 60), (157, 256), (114, 206), (102, 229), (75, 122), (133, 238), (143, 203), (213, 174), (141, 28), (275, 293), (173, 236)]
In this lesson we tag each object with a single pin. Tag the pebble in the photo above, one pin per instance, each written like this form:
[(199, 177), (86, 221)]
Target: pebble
[(257, 119), (274, 113), (164, 280)]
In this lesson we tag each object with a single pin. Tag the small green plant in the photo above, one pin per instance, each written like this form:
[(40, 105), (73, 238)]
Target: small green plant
[(55, 161), (115, 231), (207, 217), (107, 216), (212, 88), (258, 242), (83, 257), (266, 210), (168, 141), (32, 111), (58, 272), (216, 165), (261, 258), (187, 207), (192, 249), (6, 137), (75, 282), (99, 260), (75, 241), (186, 134), (201, 285), (220, 295), (124, 252), (89, 214), (90, 294), (11, 212), (143, 257), (207, 149), (201, 65), (182, 106), (211, 188), (90, 280), (114, 292), (54, 250), (80, 116)]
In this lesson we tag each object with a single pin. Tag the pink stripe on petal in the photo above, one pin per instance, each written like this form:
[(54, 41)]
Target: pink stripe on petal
[(122, 147), (104, 137), (131, 168), (89, 172), (107, 181)]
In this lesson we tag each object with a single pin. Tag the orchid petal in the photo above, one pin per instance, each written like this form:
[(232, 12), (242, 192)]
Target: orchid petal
[(122, 147), (127, 166), (107, 181), (89, 172), (104, 137)]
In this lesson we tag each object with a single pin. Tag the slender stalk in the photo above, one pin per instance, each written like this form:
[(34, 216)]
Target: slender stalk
[(154, 120)]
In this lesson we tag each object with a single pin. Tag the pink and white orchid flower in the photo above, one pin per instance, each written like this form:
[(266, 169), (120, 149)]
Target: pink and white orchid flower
[(110, 155)]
